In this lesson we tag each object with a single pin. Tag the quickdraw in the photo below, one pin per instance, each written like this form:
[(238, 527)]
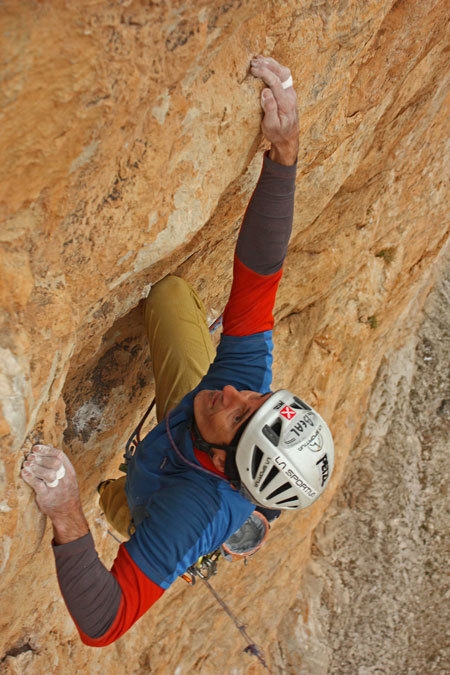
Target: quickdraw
[(204, 568)]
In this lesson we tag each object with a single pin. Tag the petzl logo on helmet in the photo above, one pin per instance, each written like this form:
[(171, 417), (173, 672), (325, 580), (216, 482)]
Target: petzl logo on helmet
[(324, 468), (288, 412)]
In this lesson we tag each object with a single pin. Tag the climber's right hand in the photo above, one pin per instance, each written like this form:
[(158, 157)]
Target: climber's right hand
[(51, 475)]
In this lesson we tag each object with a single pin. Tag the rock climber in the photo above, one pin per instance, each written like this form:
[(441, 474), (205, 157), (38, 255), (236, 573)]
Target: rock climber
[(224, 443)]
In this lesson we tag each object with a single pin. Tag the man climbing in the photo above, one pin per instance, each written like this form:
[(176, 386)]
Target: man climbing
[(224, 443)]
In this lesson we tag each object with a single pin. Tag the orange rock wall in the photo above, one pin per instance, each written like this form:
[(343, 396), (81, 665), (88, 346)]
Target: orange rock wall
[(130, 145)]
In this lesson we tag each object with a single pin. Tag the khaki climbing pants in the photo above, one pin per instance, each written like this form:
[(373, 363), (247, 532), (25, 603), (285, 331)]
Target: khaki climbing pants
[(181, 351)]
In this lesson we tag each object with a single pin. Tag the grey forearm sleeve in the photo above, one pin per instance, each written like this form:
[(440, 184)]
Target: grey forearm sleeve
[(91, 593), (266, 228)]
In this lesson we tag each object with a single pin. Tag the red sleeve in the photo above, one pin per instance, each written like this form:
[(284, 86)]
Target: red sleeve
[(252, 298), (138, 594)]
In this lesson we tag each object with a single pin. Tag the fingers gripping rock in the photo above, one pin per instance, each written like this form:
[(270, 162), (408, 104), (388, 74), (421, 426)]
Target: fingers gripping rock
[(49, 472), (271, 117), (45, 463), (279, 103), (274, 74)]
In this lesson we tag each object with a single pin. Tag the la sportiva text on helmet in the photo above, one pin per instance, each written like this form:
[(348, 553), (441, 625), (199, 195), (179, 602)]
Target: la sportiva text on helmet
[(285, 455)]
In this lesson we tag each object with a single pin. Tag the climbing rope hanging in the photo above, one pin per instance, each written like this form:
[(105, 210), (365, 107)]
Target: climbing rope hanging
[(251, 647)]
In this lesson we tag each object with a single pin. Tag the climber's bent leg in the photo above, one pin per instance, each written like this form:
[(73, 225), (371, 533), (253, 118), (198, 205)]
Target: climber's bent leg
[(113, 501), (181, 350), (180, 344)]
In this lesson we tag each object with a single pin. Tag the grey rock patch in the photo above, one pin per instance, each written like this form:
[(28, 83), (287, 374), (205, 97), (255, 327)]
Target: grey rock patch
[(375, 598)]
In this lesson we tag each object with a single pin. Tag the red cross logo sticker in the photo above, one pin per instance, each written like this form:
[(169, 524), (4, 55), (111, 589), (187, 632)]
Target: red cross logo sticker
[(287, 412)]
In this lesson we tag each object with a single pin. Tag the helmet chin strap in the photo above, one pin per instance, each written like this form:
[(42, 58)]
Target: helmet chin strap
[(206, 446), (231, 471)]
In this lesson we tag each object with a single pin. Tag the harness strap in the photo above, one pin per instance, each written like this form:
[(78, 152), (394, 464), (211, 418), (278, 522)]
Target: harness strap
[(135, 438)]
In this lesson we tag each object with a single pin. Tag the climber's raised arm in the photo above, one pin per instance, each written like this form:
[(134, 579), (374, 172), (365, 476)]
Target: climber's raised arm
[(264, 236)]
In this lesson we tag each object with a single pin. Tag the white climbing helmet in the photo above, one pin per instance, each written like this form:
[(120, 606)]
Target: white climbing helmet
[(285, 455)]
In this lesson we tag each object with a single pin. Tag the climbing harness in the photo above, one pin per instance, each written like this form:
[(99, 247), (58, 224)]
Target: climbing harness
[(204, 568), (245, 542)]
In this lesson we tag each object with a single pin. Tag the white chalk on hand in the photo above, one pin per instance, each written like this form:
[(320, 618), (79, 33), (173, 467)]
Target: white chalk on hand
[(288, 83), (59, 474)]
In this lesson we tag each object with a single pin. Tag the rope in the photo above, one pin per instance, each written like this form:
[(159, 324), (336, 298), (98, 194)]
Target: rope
[(135, 437), (251, 648), (119, 541)]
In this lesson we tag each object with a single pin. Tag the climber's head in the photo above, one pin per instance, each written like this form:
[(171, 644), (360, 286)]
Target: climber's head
[(221, 414), (274, 447)]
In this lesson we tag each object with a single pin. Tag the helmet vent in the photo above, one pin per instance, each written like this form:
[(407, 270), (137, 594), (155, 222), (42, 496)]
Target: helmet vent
[(290, 500), (276, 427), (256, 460), (272, 432), (273, 473), (299, 404), (280, 490)]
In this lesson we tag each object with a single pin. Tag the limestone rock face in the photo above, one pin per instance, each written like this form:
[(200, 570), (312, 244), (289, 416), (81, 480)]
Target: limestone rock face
[(376, 582), (130, 145)]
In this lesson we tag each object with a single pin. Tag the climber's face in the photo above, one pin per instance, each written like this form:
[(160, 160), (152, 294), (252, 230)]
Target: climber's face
[(220, 413)]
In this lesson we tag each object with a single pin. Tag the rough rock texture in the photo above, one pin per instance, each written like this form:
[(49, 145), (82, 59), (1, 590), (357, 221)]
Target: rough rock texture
[(375, 596), (130, 144)]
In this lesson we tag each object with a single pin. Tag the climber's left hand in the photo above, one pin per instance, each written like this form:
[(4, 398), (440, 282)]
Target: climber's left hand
[(279, 103)]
